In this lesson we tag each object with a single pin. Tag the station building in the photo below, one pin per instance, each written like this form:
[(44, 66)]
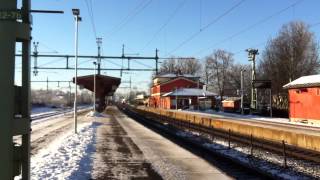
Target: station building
[(304, 99), (176, 91)]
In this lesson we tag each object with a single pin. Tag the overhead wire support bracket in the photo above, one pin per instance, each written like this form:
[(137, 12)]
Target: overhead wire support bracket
[(123, 56), (47, 11)]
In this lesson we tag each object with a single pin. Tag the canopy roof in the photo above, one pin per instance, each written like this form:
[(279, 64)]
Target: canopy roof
[(105, 85), (304, 81)]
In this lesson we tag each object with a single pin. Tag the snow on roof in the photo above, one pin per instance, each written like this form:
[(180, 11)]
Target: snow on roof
[(232, 99), (171, 75), (304, 81), (190, 92)]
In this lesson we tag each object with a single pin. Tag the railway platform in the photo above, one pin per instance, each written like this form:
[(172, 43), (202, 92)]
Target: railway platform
[(127, 149)]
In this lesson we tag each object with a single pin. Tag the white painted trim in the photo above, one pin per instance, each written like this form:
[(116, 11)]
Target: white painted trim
[(310, 121), (156, 94)]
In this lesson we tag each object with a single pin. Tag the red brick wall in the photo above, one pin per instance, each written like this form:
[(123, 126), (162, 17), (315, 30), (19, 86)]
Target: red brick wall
[(156, 100), (155, 89), (179, 83), (304, 103)]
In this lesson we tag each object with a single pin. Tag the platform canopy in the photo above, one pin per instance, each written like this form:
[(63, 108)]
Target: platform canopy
[(105, 85)]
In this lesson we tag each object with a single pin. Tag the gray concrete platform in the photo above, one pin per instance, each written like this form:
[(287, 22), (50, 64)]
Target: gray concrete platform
[(126, 150)]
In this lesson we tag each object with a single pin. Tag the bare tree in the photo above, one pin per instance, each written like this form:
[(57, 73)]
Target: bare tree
[(189, 66), (234, 77), (292, 54), (168, 66), (218, 64), (184, 66)]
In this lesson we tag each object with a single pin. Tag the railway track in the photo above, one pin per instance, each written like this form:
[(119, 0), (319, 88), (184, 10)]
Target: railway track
[(229, 166), (279, 148), (46, 115), (50, 114)]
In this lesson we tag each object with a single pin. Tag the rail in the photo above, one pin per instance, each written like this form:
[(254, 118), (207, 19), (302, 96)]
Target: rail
[(205, 127)]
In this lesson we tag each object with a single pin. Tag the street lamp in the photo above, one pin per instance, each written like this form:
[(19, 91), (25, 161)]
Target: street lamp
[(76, 13), (94, 87)]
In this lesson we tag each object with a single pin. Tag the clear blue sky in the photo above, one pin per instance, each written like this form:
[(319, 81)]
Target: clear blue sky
[(55, 32)]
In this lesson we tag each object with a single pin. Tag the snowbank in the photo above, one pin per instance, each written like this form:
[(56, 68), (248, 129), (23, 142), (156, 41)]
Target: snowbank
[(95, 114), (68, 157)]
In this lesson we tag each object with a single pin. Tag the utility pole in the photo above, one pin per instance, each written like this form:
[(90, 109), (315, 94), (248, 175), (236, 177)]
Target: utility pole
[(99, 42), (76, 13), (198, 102), (176, 98), (242, 91), (94, 87), (35, 54), (69, 94), (252, 57), (130, 85), (157, 59), (15, 27), (47, 85)]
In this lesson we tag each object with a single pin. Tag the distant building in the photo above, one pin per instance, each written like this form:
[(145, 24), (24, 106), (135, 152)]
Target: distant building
[(141, 99), (171, 91), (304, 99), (231, 104)]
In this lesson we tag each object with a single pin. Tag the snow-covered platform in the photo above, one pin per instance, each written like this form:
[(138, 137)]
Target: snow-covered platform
[(110, 146)]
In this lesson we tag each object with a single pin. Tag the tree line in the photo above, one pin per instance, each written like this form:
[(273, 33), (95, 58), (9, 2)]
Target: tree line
[(291, 54)]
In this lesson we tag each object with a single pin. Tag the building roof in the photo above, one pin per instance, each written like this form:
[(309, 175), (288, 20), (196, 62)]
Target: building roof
[(171, 75), (190, 92), (106, 85), (178, 78), (232, 99), (304, 81)]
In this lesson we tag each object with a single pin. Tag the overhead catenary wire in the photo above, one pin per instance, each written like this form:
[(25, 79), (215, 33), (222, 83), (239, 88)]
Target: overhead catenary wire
[(143, 64), (266, 41), (90, 12), (250, 27), (131, 11), (49, 48), (195, 34), (51, 62), (131, 15), (173, 14)]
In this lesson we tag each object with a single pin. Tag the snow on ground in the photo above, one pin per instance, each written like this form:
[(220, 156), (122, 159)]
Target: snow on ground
[(42, 109), (67, 157), (62, 113), (263, 162), (45, 109), (96, 114), (249, 117)]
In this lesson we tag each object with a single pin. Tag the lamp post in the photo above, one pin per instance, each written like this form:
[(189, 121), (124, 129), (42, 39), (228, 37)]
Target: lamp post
[(176, 98), (76, 13), (94, 87)]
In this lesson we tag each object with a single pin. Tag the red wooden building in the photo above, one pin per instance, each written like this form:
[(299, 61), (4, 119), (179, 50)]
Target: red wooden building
[(183, 91), (304, 99)]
